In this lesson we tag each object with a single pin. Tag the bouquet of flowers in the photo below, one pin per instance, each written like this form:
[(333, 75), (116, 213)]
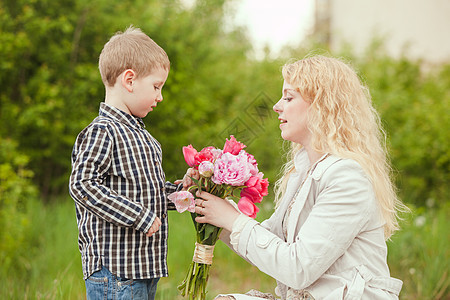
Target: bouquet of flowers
[(223, 173)]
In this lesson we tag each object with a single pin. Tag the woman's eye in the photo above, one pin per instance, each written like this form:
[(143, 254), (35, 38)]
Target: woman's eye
[(287, 99), (156, 87)]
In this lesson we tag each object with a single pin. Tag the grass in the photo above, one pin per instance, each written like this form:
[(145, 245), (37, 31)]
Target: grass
[(420, 254), (48, 266)]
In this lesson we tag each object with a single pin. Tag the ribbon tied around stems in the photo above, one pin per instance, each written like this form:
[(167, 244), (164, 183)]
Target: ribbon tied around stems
[(203, 254)]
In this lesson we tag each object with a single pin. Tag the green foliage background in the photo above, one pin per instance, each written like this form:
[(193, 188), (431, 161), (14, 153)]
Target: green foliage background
[(50, 89)]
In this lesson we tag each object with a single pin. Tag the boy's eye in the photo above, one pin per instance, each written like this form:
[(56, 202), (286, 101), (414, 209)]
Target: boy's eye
[(156, 87)]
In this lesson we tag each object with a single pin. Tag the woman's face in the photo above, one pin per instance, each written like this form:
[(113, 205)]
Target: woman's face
[(292, 112)]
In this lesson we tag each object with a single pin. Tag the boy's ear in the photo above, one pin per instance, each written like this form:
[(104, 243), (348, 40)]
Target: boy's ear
[(127, 78)]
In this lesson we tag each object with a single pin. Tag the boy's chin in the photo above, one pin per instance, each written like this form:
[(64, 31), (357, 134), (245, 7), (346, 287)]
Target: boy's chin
[(141, 116)]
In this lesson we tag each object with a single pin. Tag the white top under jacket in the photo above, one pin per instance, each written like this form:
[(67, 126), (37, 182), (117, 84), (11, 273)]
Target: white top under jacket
[(335, 246)]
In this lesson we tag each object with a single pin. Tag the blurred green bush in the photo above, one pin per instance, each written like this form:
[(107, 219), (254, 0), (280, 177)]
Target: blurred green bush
[(50, 89), (16, 193), (414, 104)]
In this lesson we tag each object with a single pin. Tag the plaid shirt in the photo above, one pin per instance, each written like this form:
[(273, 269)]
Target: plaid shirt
[(119, 188)]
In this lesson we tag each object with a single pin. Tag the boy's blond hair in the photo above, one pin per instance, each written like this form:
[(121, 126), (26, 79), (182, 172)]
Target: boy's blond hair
[(131, 49)]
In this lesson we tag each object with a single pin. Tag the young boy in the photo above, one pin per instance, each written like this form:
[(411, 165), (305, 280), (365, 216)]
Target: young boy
[(117, 180)]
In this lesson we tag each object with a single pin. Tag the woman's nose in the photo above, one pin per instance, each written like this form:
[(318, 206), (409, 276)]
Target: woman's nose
[(277, 107)]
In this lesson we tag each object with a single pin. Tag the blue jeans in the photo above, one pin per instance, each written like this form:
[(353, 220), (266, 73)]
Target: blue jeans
[(104, 285)]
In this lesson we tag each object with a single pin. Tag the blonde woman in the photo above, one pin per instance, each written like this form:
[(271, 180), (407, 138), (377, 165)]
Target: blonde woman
[(336, 204)]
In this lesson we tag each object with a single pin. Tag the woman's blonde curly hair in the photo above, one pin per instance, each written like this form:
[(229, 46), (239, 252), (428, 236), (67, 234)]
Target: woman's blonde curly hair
[(343, 122)]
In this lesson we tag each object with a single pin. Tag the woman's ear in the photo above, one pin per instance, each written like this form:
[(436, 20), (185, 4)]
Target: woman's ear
[(127, 79)]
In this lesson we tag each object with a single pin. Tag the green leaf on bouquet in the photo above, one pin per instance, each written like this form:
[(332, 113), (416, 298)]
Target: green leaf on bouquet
[(194, 180), (211, 234), (197, 225), (192, 189), (201, 227), (209, 230)]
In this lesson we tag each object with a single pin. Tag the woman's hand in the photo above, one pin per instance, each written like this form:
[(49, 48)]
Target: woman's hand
[(215, 210)]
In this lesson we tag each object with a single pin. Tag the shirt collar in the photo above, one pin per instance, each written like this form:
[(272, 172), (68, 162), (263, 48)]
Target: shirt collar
[(301, 161), (114, 113)]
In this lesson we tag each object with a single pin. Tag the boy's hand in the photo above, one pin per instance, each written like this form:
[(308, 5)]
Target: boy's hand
[(155, 227), (187, 180)]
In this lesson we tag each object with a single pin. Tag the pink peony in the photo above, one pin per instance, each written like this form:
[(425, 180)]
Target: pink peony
[(252, 162), (183, 200), (247, 207), (217, 153), (189, 153), (233, 146), (231, 169), (206, 168)]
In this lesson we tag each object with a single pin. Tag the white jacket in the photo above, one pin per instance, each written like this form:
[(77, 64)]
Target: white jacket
[(335, 245)]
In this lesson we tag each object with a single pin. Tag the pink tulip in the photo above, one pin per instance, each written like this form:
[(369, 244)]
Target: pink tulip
[(233, 146), (264, 187), (262, 184), (247, 207), (190, 153), (183, 200), (256, 188), (252, 194), (253, 181), (206, 154)]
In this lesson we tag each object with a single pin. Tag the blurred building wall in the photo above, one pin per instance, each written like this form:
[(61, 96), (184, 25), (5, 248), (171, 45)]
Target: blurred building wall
[(415, 28)]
